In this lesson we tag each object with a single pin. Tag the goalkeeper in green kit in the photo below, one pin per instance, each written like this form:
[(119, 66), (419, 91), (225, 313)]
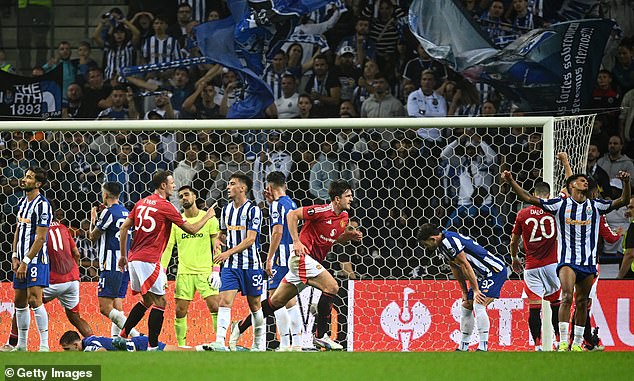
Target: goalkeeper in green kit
[(196, 269)]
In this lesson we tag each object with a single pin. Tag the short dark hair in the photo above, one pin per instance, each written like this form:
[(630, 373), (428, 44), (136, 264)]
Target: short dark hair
[(276, 178), (69, 337), (40, 175), (321, 57), (120, 88), (542, 188), (572, 178), (159, 178), (244, 179), (188, 188), (426, 231), (112, 187), (337, 188)]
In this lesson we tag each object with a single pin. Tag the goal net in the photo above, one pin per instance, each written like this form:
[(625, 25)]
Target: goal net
[(404, 172)]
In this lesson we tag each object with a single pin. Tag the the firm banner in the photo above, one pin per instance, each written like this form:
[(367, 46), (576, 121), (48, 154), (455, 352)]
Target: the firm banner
[(425, 316)]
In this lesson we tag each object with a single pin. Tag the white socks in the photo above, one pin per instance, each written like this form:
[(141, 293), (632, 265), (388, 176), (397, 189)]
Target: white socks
[(295, 319), (118, 321), (578, 339), (224, 319), (466, 327), (483, 323), (41, 321), (23, 320), (282, 320), (563, 331), (259, 329)]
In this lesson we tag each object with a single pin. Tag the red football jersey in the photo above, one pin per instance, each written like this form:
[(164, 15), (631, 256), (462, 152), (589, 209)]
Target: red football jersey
[(606, 232), (321, 229), (153, 217), (60, 244), (539, 233)]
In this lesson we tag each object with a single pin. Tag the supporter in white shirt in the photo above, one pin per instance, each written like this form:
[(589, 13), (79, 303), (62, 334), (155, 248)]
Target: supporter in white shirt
[(426, 103), (287, 104)]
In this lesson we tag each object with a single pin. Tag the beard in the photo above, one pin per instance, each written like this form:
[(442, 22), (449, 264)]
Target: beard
[(187, 205)]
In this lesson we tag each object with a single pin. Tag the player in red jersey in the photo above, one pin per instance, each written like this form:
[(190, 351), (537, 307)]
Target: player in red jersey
[(539, 233), (63, 282), (152, 219)]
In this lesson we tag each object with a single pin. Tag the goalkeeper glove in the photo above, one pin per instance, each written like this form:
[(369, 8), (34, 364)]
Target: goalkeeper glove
[(214, 278)]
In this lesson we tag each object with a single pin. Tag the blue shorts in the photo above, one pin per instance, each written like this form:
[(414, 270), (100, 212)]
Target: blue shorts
[(113, 284), (248, 282), (279, 272), (581, 272), (491, 286), (141, 343), (37, 274)]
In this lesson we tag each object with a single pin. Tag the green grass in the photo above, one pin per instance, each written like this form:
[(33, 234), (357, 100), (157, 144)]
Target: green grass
[(185, 366)]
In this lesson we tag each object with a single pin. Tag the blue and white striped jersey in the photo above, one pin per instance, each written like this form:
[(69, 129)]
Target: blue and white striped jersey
[(32, 214), (237, 222), (155, 50), (577, 228), (109, 222), (277, 212), (484, 263)]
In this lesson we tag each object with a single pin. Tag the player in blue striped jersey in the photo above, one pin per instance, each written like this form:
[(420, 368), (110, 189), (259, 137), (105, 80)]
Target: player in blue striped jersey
[(289, 319), (471, 262), (30, 258), (72, 342), (578, 223), (113, 283), (241, 270)]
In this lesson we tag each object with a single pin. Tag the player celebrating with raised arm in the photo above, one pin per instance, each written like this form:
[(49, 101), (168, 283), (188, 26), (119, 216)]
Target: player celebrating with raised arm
[(152, 218), (196, 269), (323, 226), (289, 319), (538, 231), (30, 258), (578, 220), (240, 223), (466, 258), (113, 282)]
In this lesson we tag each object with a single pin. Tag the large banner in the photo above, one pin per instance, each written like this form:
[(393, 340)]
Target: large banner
[(425, 316), (31, 97)]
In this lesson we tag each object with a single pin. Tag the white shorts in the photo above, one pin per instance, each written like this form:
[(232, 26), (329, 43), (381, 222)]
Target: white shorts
[(302, 269), (147, 277), (67, 293), (541, 281)]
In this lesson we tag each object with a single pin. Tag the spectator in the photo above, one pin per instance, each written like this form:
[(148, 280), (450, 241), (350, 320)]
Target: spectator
[(273, 158), (364, 85), (296, 64), (118, 46), (614, 161), (604, 96), (472, 7), (305, 106), (626, 120), (493, 24), (96, 93), (274, 72), (229, 92), (187, 169), (617, 220), (386, 26), (69, 67), (87, 253), (234, 161), (623, 70), (327, 169), (425, 103), (416, 66), (179, 86), (204, 180), (347, 108), (201, 103), (595, 172), (160, 47), (91, 186), (362, 47), (118, 111), (382, 104), (84, 62), (348, 72), (183, 17), (17, 165), (523, 19), (287, 105), (123, 172), (73, 106), (599, 135), (150, 161), (324, 89)]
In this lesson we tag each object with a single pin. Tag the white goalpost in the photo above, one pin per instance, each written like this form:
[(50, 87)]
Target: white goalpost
[(400, 180)]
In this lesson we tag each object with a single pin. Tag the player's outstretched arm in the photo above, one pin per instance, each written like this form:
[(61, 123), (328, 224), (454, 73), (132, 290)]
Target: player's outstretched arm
[(350, 234), (194, 228), (521, 193), (292, 218), (626, 193), (565, 162), (514, 248)]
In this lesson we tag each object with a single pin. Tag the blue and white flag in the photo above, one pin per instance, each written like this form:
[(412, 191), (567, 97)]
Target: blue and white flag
[(31, 97), (551, 69)]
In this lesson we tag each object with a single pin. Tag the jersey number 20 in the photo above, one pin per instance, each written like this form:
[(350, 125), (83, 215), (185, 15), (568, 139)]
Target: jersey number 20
[(547, 232)]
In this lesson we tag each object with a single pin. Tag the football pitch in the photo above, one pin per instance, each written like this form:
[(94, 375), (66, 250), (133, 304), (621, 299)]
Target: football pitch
[(184, 366)]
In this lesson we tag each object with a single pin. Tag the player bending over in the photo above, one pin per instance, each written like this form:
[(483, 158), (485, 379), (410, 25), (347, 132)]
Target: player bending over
[(70, 341), (578, 224), (466, 258)]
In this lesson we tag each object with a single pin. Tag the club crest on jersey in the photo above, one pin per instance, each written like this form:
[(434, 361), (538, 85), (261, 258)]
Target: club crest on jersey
[(342, 223), (275, 215), (589, 210), (311, 211)]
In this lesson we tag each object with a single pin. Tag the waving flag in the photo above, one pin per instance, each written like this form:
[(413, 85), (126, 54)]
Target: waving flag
[(31, 97), (550, 69)]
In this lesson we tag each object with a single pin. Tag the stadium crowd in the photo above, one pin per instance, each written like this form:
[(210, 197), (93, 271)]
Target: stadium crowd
[(369, 65)]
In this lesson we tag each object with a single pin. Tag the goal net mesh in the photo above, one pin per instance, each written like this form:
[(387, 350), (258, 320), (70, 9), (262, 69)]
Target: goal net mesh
[(401, 178)]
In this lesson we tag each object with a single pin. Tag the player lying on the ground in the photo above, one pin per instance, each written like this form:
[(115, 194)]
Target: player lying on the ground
[(70, 341), (466, 258)]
